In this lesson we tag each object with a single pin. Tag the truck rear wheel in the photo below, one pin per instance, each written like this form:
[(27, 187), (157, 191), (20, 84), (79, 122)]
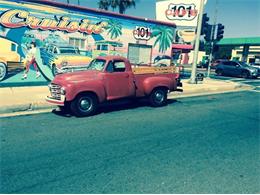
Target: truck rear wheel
[(3, 71), (158, 97), (84, 105)]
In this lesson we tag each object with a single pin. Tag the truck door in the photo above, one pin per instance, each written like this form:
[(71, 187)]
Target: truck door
[(119, 81)]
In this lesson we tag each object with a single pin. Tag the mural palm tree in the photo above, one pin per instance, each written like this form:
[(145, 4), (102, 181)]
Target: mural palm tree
[(114, 29), (164, 37), (122, 5)]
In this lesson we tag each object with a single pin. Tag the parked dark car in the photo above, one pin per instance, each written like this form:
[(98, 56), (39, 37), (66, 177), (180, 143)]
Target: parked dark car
[(257, 66), (216, 62), (238, 69)]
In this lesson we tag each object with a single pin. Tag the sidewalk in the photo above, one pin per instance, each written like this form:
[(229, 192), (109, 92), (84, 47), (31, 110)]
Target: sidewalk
[(17, 99)]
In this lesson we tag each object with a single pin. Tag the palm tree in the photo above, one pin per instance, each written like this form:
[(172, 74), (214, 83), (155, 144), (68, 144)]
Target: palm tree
[(103, 4), (121, 4), (164, 37), (114, 29)]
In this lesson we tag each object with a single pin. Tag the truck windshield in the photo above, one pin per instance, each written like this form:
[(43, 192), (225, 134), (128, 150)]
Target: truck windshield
[(97, 64)]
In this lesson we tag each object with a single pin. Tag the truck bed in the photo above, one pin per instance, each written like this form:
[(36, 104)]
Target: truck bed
[(155, 70)]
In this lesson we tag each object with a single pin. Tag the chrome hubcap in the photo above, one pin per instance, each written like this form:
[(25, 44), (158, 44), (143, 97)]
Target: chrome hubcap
[(159, 96), (85, 104)]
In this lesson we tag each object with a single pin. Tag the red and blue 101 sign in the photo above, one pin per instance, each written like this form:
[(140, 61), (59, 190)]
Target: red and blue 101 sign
[(142, 33), (181, 12)]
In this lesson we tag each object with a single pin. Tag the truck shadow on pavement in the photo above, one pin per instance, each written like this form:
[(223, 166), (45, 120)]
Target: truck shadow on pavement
[(115, 106)]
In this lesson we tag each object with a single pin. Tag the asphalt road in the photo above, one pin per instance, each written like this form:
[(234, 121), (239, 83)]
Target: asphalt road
[(207, 144)]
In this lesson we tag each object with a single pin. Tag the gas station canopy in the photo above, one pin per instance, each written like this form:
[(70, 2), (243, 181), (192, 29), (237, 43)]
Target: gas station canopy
[(254, 41)]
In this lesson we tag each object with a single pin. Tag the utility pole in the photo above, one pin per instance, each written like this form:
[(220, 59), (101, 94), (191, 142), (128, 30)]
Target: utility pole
[(213, 37), (197, 44)]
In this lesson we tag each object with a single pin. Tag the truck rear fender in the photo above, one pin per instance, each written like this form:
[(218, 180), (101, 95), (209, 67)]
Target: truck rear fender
[(96, 89), (154, 82)]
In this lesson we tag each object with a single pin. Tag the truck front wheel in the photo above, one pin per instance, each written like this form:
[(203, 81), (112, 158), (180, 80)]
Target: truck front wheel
[(84, 105), (158, 97), (3, 71)]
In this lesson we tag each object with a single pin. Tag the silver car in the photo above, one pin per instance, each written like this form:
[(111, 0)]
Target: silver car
[(238, 69)]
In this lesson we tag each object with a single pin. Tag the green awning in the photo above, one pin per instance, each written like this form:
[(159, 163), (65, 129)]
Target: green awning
[(254, 41)]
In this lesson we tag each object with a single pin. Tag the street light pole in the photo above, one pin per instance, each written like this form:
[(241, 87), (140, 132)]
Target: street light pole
[(211, 47), (213, 37), (197, 44)]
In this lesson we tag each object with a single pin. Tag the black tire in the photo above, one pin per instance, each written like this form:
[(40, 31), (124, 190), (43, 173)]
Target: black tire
[(84, 105), (245, 74), (219, 72), (3, 71), (158, 97), (54, 70)]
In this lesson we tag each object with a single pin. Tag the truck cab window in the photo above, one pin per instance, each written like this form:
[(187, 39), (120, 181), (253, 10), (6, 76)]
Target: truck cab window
[(119, 66)]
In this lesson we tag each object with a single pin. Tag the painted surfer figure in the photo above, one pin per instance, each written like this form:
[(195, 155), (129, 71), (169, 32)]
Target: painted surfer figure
[(30, 60)]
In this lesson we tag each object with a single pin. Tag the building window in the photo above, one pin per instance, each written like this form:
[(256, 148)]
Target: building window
[(78, 43)]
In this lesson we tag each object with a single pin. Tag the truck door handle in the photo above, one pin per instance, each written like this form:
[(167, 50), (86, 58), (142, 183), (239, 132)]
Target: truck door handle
[(127, 76)]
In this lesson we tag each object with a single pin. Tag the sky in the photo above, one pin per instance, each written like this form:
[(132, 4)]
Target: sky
[(241, 18)]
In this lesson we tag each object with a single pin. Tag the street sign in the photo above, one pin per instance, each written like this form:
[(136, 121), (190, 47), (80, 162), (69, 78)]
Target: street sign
[(178, 12)]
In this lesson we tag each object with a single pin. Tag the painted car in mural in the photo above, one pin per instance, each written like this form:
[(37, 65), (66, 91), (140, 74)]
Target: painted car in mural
[(62, 57), (104, 48), (10, 60), (71, 36)]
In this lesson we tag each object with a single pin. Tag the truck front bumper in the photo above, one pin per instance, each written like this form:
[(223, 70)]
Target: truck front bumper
[(55, 101)]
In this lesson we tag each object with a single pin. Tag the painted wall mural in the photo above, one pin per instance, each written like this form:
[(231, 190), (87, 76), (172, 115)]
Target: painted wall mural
[(38, 41)]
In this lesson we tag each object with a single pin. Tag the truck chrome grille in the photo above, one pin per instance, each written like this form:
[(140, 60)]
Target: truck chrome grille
[(55, 91)]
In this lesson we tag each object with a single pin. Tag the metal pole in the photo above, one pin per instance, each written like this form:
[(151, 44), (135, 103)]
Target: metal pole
[(197, 44), (211, 48), (213, 37)]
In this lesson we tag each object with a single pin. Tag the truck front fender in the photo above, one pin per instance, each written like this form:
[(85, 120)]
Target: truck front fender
[(95, 87), (154, 82)]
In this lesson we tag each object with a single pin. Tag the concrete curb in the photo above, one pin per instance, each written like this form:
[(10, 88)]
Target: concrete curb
[(209, 92), (25, 107)]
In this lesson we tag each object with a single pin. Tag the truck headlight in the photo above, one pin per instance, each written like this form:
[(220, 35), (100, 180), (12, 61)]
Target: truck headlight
[(62, 91)]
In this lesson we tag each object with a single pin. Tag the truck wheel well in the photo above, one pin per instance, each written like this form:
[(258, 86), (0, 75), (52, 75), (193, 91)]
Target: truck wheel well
[(87, 93), (161, 87)]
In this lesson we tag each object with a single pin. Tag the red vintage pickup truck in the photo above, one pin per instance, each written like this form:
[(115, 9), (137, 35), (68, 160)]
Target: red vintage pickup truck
[(110, 78)]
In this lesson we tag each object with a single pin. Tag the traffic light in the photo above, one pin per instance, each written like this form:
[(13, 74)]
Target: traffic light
[(207, 36), (215, 48), (204, 26), (220, 32)]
